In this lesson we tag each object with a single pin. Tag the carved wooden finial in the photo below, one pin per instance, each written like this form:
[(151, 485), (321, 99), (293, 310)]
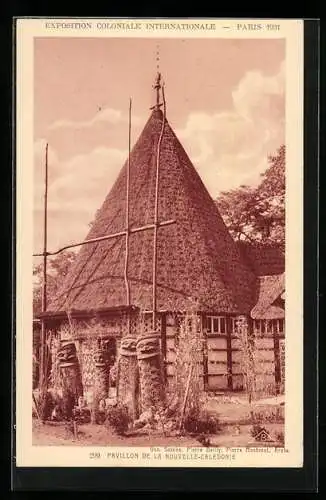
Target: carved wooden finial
[(157, 84), (157, 87)]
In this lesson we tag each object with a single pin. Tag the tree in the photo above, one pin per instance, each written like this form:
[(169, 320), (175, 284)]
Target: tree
[(91, 223), (258, 214), (57, 269)]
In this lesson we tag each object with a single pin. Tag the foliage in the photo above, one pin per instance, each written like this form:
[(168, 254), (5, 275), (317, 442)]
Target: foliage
[(57, 270), (82, 415), (256, 373), (248, 357), (279, 436), (91, 223), (118, 418), (189, 348), (45, 404), (201, 422), (68, 404), (271, 415), (258, 213), (186, 405)]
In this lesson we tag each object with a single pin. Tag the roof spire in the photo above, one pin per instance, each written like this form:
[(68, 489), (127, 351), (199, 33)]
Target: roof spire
[(157, 84)]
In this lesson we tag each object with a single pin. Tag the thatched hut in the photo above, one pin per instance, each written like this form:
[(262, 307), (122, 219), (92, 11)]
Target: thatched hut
[(200, 267)]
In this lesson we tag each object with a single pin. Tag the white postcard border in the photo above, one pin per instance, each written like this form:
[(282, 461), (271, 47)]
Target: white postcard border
[(38, 456)]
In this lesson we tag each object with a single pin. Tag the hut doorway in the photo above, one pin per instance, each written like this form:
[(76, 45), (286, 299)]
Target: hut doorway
[(109, 348)]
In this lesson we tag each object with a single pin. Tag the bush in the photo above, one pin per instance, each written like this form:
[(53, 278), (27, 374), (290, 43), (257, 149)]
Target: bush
[(118, 418), (82, 415), (270, 415), (279, 436), (201, 422), (45, 405), (68, 404)]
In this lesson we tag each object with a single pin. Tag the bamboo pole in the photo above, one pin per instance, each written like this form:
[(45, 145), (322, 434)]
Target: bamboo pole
[(74, 423), (107, 237), (36, 407), (127, 224), (156, 223), (44, 284)]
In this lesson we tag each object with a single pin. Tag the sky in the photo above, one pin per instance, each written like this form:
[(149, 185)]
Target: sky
[(225, 101)]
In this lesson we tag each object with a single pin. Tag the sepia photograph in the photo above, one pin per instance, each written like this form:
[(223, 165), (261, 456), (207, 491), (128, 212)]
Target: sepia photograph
[(160, 318), (159, 246)]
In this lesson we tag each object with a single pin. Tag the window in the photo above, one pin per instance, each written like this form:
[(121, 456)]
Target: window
[(279, 325), (233, 325), (216, 324), (268, 326)]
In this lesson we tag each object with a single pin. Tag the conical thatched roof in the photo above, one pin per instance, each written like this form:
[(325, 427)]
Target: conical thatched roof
[(197, 257)]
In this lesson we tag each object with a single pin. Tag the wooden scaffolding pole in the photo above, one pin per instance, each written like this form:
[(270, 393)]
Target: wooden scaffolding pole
[(43, 374), (127, 225), (156, 206), (107, 237)]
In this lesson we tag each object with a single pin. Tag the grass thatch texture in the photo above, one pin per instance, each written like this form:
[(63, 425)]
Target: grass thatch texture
[(196, 256), (187, 381), (270, 289)]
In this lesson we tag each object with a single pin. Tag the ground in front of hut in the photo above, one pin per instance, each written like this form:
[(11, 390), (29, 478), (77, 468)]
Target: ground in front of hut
[(234, 418)]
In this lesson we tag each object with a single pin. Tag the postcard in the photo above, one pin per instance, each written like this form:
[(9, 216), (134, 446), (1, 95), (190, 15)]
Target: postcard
[(159, 293)]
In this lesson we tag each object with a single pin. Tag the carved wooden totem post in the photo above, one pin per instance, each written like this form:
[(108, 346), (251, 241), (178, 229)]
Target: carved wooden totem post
[(101, 381), (128, 383), (151, 383), (71, 377)]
